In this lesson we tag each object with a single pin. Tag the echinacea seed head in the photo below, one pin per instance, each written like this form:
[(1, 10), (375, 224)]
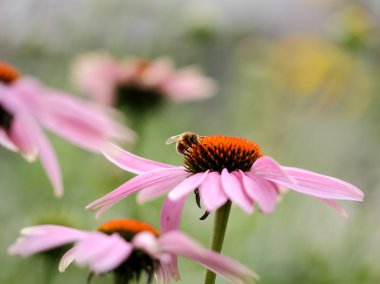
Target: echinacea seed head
[(8, 74), (127, 228), (217, 152)]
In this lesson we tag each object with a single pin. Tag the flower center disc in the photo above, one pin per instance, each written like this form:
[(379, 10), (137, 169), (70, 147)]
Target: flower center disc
[(127, 228), (8, 74), (217, 152), (138, 261)]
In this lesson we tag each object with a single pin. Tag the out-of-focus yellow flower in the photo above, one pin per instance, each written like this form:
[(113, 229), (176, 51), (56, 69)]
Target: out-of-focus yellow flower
[(310, 66)]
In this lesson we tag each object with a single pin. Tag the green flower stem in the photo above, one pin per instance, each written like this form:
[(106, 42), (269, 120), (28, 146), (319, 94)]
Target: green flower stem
[(219, 231)]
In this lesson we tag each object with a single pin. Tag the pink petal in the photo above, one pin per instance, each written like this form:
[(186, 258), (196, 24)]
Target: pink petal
[(170, 220), (187, 186), (260, 190), (189, 84), (41, 238), (131, 163), (140, 182), (157, 190), (102, 253), (22, 135), (88, 126), (211, 192), (177, 243), (321, 186), (49, 162), (234, 190), (157, 72), (335, 205), (269, 169), (147, 242), (98, 74), (6, 142), (67, 259), (171, 214), (163, 275)]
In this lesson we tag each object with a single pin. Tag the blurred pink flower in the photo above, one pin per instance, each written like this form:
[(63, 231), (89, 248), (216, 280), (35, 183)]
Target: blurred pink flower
[(105, 79), (219, 169), (127, 247), (26, 106)]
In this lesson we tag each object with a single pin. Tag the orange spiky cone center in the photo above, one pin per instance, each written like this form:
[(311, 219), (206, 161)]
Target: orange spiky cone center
[(217, 152), (127, 228), (8, 74)]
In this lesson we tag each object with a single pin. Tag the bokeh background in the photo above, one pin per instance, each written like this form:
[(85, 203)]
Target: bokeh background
[(298, 77)]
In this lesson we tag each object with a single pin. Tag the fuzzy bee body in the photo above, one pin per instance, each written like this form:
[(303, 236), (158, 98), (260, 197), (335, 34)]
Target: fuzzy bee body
[(184, 141)]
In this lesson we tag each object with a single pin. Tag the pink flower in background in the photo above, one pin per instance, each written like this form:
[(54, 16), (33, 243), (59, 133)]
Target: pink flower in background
[(26, 106), (127, 247), (219, 169), (136, 81)]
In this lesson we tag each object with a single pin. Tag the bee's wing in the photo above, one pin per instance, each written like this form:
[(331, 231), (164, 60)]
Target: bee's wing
[(172, 139)]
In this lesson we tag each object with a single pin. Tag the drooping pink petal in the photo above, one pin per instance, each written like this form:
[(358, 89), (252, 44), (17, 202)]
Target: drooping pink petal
[(131, 163), (176, 243), (321, 186), (45, 237), (336, 206), (211, 192), (157, 190), (170, 221), (6, 142), (118, 251), (187, 186), (171, 214), (88, 126), (269, 169), (102, 253), (22, 135), (233, 188), (262, 191), (147, 242), (163, 275), (137, 183), (49, 161), (67, 259)]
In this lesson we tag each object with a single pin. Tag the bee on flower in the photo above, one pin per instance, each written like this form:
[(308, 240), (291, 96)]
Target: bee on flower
[(127, 248), (139, 84), (26, 106), (219, 169)]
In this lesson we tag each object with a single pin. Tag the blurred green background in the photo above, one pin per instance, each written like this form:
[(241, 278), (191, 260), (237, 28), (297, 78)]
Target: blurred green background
[(298, 77)]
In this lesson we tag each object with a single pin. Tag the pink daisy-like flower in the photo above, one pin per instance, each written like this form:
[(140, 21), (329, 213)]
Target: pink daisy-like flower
[(26, 105), (127, 247), (219, 169), (139, 83)]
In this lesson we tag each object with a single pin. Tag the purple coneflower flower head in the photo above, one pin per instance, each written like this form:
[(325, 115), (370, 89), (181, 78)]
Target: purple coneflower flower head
[(139, 83), (26, 106), (219, 169), (127, 248)]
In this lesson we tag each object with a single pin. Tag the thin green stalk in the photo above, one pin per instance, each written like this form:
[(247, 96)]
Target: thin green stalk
[(219, 231)]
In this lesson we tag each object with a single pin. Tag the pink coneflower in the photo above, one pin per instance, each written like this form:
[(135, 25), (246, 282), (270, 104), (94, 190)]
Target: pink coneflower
[(127, 248), (138, 83), (219, 169), (26, 105)]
